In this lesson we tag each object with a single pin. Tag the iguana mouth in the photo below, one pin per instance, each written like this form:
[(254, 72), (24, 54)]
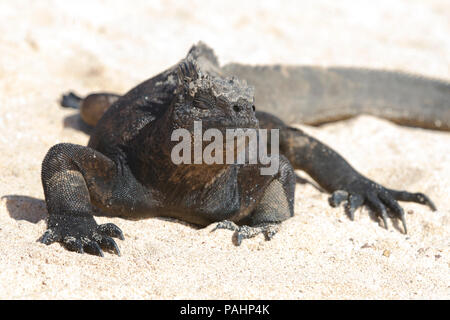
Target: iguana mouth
[(232, 124)]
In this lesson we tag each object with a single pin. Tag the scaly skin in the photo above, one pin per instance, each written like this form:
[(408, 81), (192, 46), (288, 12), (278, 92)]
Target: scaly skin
[(314, 95), (126, 169)]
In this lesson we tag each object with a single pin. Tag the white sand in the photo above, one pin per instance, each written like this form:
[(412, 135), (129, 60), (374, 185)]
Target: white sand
[(48, 47)]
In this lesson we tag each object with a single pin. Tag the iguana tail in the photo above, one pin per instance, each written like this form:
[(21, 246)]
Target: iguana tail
[(315, 95)]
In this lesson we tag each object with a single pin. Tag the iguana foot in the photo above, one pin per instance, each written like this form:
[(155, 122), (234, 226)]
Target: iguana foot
[(247, 232), (365, 191), (71, 100), (82, 234)]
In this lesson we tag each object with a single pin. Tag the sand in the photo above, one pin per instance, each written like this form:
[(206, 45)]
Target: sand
[(49, 47)]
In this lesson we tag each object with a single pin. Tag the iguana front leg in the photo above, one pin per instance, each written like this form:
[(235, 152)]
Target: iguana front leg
[(336, 176), (269, 229), (77, 178), (275, 205)]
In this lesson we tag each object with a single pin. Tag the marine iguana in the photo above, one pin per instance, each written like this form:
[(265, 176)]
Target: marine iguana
[(126, 169)]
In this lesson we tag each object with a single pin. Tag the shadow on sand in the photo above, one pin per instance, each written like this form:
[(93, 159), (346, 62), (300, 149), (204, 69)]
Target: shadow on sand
[(74, 121), (25, 208)]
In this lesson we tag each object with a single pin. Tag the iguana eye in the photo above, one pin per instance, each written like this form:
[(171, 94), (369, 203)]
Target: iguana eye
[(253, 108)]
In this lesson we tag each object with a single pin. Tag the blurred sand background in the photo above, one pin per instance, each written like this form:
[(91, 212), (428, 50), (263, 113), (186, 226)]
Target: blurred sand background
[(49, 47)]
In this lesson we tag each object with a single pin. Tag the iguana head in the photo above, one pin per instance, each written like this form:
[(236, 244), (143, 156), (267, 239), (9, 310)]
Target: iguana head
[(221, 103)]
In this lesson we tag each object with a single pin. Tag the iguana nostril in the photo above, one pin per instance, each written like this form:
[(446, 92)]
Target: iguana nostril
[(236, 108)]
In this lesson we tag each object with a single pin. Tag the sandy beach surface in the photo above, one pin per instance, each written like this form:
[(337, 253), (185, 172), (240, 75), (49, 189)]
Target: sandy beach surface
[(49, 47)]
